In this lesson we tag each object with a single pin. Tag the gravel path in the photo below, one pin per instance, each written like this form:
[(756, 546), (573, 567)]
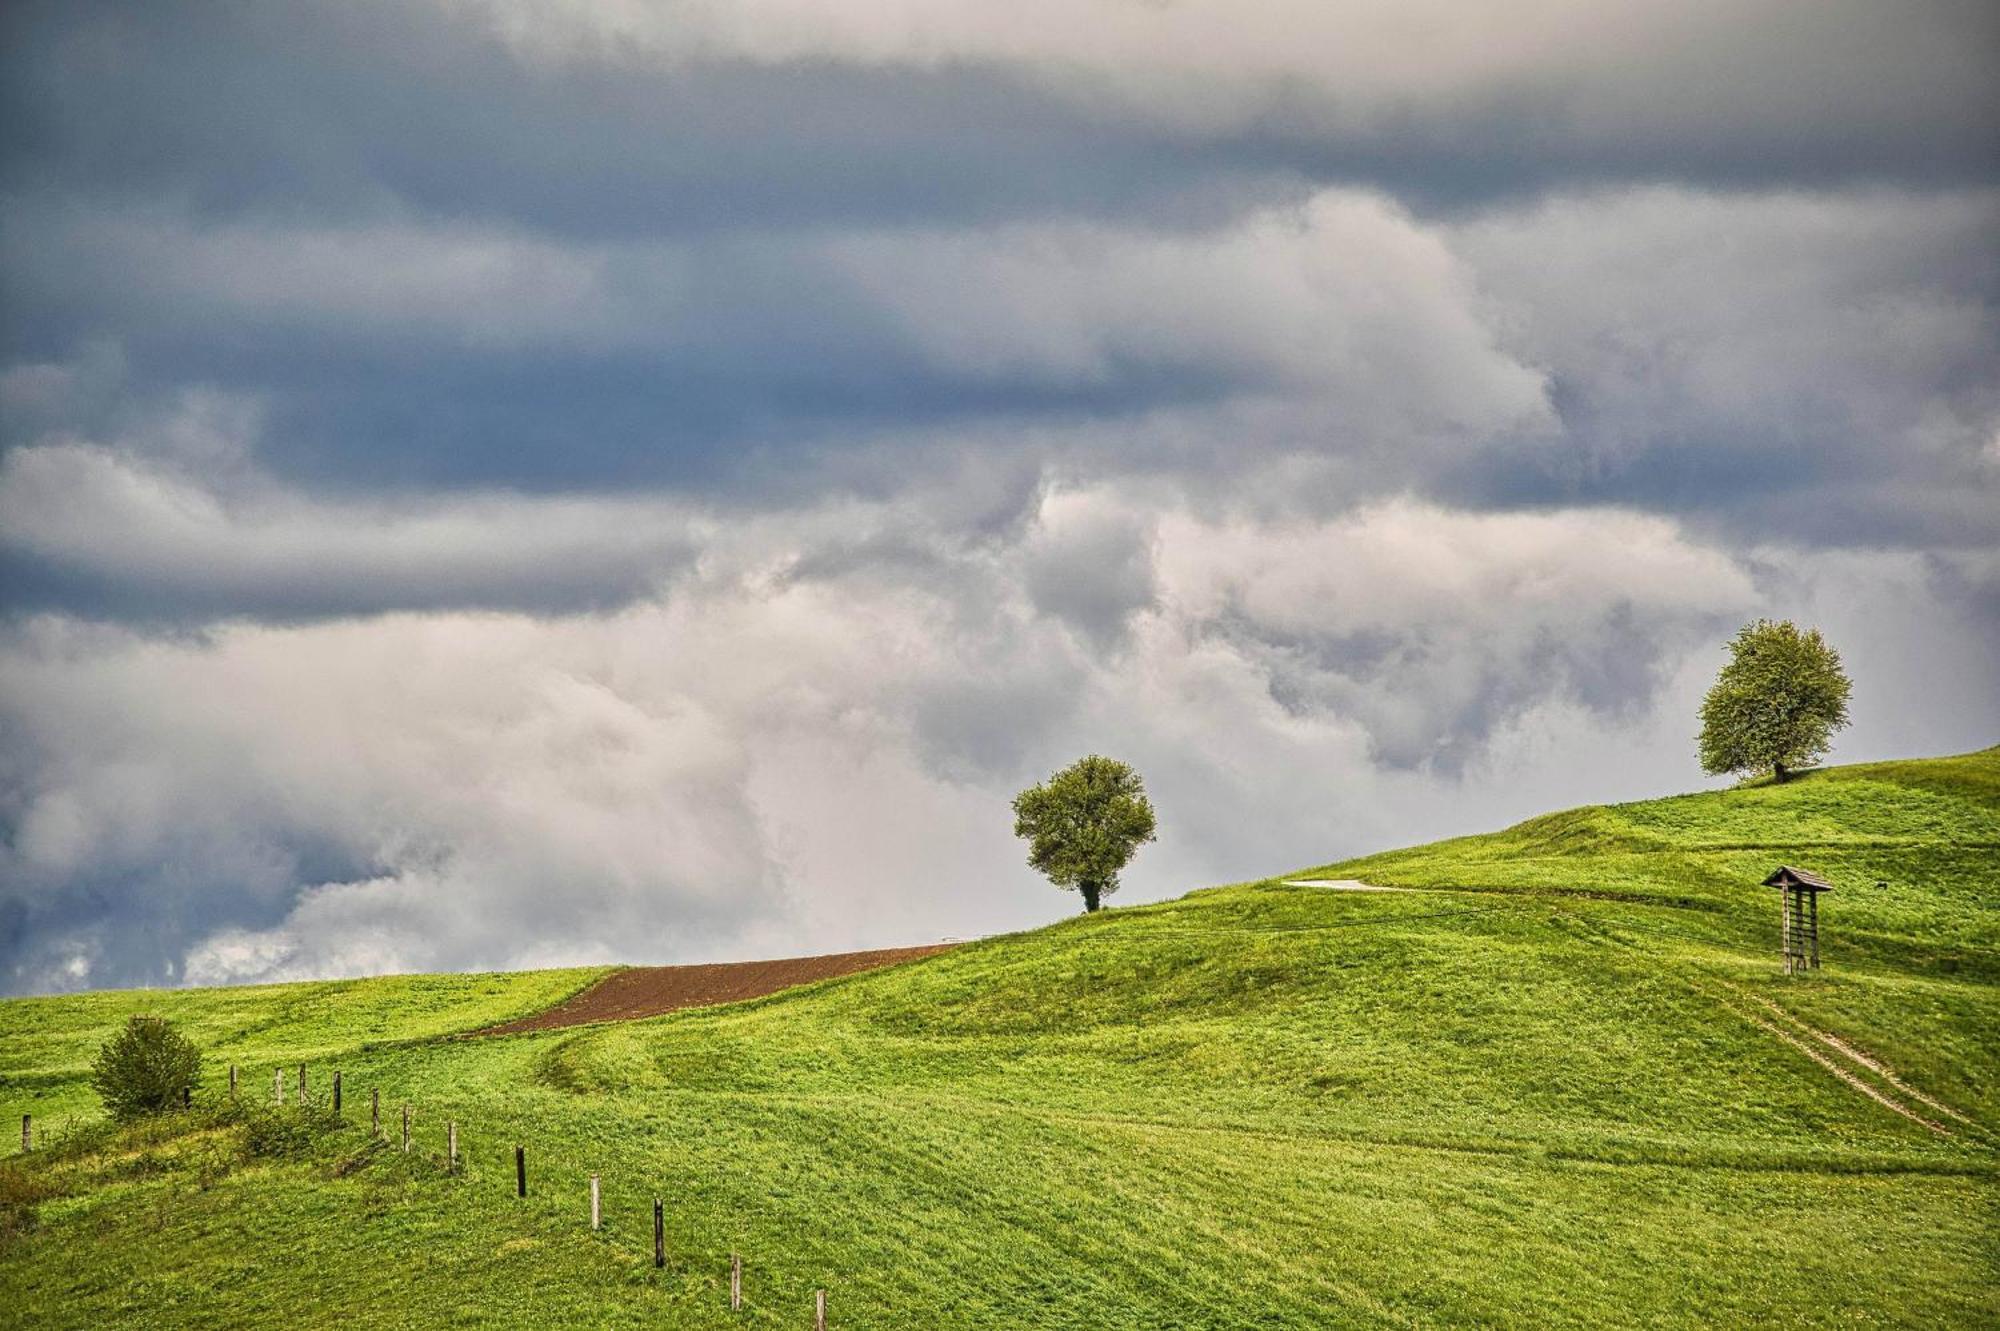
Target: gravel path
[(1344, 885)]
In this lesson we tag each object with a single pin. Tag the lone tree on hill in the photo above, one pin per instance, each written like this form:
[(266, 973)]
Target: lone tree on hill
[(147, 1068), (1084, 823), (1776, 704)]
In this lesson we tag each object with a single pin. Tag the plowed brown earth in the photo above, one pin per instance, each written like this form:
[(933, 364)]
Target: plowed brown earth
[(647, 991)]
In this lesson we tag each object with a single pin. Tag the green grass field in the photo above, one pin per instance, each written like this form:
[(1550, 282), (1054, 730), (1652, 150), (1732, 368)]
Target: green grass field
[(1564, 1085)]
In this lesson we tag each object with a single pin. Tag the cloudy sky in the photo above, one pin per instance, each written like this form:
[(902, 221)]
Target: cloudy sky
[(494, 483)]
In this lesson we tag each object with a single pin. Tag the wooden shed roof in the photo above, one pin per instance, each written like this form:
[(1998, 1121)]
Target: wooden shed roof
[(1786, 876)]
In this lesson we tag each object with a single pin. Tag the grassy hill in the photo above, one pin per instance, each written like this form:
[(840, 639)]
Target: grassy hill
[(1562, 1084)]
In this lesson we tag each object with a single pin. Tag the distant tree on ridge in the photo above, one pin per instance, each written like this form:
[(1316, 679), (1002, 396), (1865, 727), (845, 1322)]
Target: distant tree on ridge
[(1083, 825), (1776, 704)]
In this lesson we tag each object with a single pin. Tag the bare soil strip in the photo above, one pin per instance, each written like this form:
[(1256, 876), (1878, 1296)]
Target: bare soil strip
[(648, 991)]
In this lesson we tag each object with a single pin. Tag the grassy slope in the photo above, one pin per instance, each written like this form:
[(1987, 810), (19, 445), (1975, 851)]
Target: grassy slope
[(1541, 1096), (46, 1044)]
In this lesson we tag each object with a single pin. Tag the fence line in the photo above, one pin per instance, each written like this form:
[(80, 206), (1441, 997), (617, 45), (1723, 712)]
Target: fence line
[(735, 1282)]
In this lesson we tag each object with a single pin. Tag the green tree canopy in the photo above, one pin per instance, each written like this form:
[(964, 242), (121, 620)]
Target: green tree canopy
[(146, 1068), (1083, 825), (1776, 704)]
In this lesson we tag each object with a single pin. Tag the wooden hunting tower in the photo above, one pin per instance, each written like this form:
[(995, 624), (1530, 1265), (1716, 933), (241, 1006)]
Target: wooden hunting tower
[(1798, 916)]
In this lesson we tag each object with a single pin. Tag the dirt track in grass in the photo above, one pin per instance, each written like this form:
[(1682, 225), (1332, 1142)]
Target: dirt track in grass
[(648, 991)]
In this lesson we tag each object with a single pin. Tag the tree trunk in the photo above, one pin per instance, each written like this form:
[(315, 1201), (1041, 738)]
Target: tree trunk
[(1778, 770), (1089, 891)]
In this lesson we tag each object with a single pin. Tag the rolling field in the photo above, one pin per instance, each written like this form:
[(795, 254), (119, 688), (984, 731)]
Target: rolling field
[(1563, 1084)]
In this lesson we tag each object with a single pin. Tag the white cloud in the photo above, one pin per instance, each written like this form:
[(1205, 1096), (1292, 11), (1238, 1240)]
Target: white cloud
[(156, 532), (1393, 565), (1344, 297), (787, 751), (1431, 627), (1827, 355)]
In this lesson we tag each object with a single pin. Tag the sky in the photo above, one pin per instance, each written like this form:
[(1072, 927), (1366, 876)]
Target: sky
[(488, 484)]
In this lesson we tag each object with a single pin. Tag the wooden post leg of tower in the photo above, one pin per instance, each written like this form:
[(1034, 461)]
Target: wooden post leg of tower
[(1812, 930), (1805, 934), (1785, 930), (1799, 932), (1795, 932)]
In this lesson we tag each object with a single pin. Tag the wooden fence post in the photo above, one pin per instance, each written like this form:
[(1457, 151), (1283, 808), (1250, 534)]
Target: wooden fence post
[(336, 1092), (375, 1110), (27, 1133), (278, 1086), (232, 1081), (302, 1086), (819, 1310), (406, 1125), (596, 1216), (659, 1233), (735, 1282), (520, 1171), (451, 1146)]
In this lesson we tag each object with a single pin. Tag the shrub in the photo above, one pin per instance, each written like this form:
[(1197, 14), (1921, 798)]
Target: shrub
[(146, 1068)]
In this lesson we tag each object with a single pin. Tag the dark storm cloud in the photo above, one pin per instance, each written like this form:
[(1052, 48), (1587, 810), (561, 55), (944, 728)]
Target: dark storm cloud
[(417, 354), (422, 355), (340, 112), (474, 246), (334, 109)]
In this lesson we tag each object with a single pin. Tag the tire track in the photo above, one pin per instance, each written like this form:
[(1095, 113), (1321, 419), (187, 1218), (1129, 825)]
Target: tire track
[(1860, 1057), (1850, 1072)]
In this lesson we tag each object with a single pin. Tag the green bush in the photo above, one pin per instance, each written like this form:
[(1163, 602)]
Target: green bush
[(146, 1068)]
